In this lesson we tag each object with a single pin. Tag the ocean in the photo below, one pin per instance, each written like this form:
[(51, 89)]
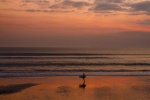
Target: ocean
[(32, 62)]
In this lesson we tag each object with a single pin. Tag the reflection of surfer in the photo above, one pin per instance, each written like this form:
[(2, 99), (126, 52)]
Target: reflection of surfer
[(82, 85)]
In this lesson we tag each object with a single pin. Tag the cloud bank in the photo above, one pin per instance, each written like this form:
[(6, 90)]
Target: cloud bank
[(132, 7)]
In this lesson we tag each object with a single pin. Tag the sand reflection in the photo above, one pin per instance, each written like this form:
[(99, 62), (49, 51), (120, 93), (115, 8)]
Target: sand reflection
[(72, 88), (82, 86)]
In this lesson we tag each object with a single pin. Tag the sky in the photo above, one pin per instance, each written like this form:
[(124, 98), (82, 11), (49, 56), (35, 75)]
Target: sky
[(75, 23)]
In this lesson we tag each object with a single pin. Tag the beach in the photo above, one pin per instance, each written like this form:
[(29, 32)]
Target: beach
[(74, 49), (73, 88), (53, 74)]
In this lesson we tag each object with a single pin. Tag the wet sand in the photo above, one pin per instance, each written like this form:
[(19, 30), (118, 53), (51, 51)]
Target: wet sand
[(72, 88)]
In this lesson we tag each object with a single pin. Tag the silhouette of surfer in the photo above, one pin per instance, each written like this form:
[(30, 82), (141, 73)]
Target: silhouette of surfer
[(83, 85), (83, 77)]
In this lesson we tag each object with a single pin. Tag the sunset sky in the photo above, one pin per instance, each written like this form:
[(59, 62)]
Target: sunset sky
[(75, 23)]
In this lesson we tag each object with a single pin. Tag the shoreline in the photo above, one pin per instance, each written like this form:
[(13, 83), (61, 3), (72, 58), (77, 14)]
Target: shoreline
[(9, 75)]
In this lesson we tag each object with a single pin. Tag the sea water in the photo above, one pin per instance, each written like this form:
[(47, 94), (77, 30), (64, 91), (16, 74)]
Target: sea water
[(72, 61)]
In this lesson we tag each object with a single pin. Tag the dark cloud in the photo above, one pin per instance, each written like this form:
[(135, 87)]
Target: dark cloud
[(46, 1), (141, 6), (135, 13), (39, 2), (18, 10), (145, 22), (75, 3), (109, 1), (70, 3), (107, 6), (102, 6), (134, 8), (50, 11), (32, 10), (115, 1)]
